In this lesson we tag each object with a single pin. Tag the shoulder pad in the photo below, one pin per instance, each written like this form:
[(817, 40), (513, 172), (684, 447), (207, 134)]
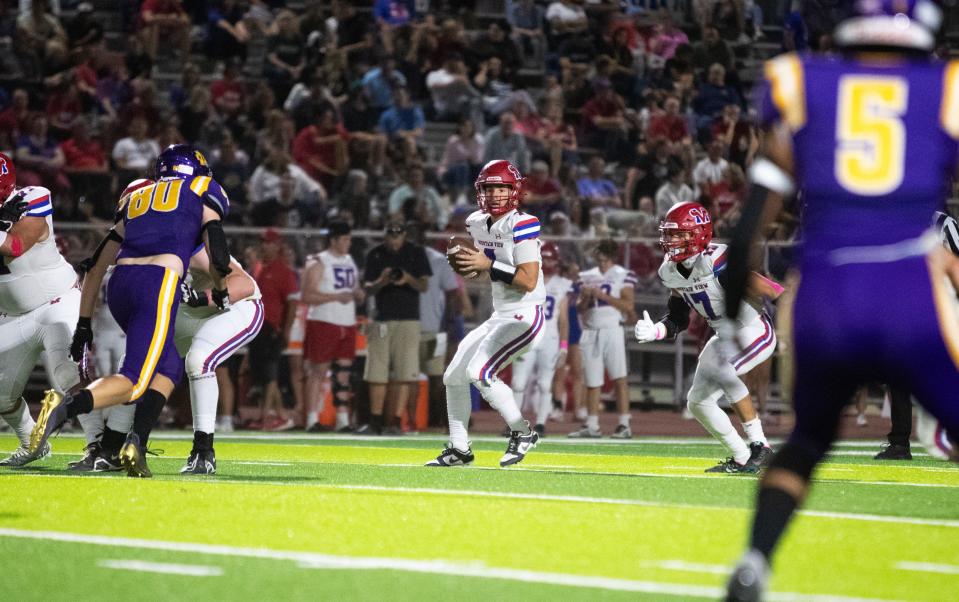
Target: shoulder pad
[(38, 201)]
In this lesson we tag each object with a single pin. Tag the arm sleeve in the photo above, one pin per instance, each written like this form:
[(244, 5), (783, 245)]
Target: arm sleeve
[(676, 319)]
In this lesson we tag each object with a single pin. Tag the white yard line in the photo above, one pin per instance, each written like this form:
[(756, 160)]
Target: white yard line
[(435, 567), (690, 567), (257, 463), (191, 570), (541, 497), (928, 567)]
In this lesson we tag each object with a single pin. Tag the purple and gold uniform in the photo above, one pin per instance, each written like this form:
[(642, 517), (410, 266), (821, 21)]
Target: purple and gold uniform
[(875, 146), (162, 218)]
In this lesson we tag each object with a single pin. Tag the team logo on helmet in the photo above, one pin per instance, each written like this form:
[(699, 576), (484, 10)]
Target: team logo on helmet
[(3, 167)]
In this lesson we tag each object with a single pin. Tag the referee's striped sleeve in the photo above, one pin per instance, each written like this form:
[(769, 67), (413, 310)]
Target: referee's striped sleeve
[(948, 231)]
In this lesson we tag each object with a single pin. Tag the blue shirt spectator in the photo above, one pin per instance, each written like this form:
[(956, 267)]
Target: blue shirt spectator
[(394, 12), (795, 36), (596, 189), (379, 83), (403, 117)]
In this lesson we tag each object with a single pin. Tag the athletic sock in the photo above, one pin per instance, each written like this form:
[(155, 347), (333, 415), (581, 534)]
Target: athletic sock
[(111, 442), (20, 420), (774, 508), (312, 418), (458, 407), (717, 423), (202, 441), (342, 418), (204, 396), (624, 419), (147, 414), (592, 423), (754, 431), (80, 402)]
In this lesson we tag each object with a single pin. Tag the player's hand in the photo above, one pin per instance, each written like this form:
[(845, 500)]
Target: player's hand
[(646, 330), (221, 298), (190, 296), (82, 339), (473, 261), (12, 211)]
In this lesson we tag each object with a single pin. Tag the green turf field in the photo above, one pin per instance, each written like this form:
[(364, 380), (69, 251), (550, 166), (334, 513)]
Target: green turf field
[(324, 518)]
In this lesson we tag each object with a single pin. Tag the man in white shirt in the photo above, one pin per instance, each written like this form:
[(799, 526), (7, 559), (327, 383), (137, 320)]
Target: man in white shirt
[(136, 153), (452, 93), (711, 169)]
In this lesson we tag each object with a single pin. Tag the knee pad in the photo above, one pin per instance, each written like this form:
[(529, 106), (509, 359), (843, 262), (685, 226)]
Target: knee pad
[(341, 383), (696, 399), (193, 363), (799, 457)]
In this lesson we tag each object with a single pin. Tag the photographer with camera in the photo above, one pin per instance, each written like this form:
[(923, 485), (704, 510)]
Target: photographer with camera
[(397, 271)]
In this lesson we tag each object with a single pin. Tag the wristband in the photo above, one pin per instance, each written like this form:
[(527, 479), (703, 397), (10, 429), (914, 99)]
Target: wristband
[(81, 321), (660, 331), (564, 345), (502, 272)]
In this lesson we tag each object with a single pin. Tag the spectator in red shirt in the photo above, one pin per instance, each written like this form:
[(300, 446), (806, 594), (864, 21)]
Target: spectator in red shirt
[(229, 93), (321, 149), (669, 124), (63, 107), (82, 153), (542, 194), (13, 118), (276, 282), (166, 19), (739, 137), (604, 121), (85, 164)]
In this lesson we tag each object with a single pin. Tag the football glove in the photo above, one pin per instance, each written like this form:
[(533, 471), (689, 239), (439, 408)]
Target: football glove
[(646, 330), (12, 211), (82, 339), (191, 297), (221, 298)]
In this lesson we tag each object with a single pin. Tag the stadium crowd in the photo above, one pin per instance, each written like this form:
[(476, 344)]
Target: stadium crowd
[(315, 113)]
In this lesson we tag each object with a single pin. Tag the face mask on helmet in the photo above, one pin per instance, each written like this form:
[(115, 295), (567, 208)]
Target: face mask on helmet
[(495, 199)]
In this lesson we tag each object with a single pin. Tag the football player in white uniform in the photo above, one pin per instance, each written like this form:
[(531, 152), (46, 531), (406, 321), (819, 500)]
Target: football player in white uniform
[(39, 305), (693, 271), (550, 353), (605, 298), (509, 251), (205, 337), (331, 289)]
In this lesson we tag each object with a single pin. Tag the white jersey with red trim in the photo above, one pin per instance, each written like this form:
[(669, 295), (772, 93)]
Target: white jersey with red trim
[(701, 289), (602, 314), (41, 274), (513, 239), (557, 288), (340, 275)]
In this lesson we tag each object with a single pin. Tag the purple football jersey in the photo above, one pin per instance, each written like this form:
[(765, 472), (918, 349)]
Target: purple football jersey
[(875, 144)]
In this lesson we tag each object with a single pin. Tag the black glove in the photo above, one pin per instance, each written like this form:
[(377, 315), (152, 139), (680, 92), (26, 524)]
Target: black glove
[(12, 210), (221, 298), (82, 339), (191, 297)]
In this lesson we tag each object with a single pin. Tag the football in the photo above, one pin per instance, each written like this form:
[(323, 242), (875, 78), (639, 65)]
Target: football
[(457, 244)]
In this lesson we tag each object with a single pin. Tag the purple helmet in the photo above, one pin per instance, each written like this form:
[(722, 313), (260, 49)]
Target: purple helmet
[(911, 24), (181, 161)]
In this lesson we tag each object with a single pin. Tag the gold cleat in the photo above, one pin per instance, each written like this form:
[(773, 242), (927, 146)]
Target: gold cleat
[(45, 427), (132, 458)]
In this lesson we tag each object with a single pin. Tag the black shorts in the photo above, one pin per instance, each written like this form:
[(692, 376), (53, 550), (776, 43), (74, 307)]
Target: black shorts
[(265, 353)]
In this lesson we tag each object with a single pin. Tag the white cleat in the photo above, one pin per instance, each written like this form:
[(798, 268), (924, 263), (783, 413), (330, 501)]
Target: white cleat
[(519, 445), (22, 456), (586, 433)]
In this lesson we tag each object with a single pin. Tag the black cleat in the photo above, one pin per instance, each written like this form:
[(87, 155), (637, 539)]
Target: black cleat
[(731, 466), (200, 462), (453, 457), (85, 464), (106, 462), (519, 445), (51, 418), (133, 458), (894, 452), (748, 581), (759, 454), (540, 430)]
